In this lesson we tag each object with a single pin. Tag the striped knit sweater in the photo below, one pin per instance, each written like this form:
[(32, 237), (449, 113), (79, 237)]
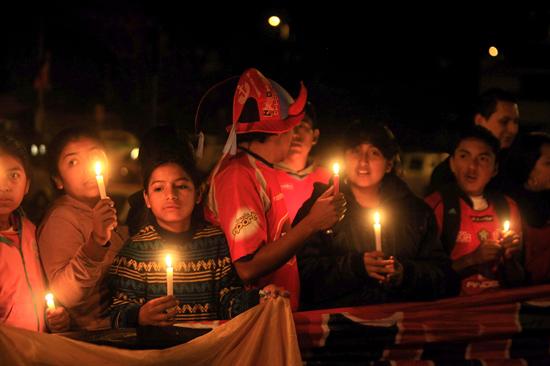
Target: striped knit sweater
[(205, 282)]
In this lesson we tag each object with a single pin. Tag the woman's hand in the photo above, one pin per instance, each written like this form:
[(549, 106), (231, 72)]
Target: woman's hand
[(158, 312), (58, 320), (104, 220)]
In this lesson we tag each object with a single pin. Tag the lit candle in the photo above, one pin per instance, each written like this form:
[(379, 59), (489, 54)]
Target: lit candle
[(169, 276), (100, 181), (49, 301), (506, 226), (377, 231), (336, 177)]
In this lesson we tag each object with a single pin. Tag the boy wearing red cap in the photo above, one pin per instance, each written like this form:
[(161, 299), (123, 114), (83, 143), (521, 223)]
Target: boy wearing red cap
[(245, 197)]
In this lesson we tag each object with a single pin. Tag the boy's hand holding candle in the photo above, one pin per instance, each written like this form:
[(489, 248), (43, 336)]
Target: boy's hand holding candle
[(510, 240)]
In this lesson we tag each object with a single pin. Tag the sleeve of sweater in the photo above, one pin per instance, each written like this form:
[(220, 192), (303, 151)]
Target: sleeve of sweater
[(324, 277), (233, 298), (128, 287), (429, 275), (71, 272)]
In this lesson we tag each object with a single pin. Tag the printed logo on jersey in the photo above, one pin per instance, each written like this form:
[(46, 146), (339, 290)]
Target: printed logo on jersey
[(245, 224), (484, 218), (279, 197), (483, 235), (464, 237)]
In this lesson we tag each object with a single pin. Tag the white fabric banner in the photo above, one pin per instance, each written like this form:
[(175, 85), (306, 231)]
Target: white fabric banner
[(263, 335)]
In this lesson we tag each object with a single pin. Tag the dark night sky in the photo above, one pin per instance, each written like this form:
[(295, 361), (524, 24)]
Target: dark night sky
[(417, 67)]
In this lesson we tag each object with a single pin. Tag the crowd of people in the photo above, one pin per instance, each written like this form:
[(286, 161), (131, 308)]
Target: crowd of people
[(270, 221)]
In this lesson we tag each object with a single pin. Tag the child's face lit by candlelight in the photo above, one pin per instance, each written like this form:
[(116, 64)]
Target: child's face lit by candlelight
[(13, 185), (76, 169), (365, 165), (171, 196)]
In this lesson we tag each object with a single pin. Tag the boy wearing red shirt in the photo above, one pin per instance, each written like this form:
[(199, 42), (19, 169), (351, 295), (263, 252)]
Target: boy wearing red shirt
[(245, 197), (484, 255)]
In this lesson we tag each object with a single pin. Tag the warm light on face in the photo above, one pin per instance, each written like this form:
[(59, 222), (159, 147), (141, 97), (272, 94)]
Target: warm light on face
[(377, 218), (97, 168), (336, 168), (274, 21), (168, 260), (493, 51), (506, 225)]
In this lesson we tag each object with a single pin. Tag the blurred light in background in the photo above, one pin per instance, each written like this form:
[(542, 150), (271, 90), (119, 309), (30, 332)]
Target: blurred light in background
[(274, 21), (493, 51), (134, 154)]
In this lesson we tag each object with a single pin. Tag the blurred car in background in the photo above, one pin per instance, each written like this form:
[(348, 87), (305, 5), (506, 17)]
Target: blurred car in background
[(418, 167)]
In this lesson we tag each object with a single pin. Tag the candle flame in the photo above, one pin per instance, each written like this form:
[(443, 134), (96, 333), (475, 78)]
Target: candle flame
[(506, 225), (98, 168), (168, 260), (336, 168), (377, 218), (49, 301)]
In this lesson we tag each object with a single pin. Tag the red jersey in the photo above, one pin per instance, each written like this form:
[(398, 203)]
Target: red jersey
[(246, 201), (298, 186), (475, 227)]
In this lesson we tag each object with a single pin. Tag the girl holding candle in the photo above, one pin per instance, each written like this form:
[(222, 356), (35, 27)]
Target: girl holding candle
[(177, 267), (22, 284), (77, 240), (345, 269)]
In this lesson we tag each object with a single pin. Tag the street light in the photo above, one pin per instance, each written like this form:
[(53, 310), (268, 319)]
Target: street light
[(274, 21)]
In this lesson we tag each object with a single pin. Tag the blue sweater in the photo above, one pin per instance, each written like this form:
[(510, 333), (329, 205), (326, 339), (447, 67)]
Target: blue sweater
[(206, 284)]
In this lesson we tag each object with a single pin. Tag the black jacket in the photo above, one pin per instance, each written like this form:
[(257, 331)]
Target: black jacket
[(332, 272)]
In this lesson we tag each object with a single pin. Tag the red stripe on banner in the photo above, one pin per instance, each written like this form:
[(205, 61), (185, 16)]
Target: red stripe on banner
[(487, 350)]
